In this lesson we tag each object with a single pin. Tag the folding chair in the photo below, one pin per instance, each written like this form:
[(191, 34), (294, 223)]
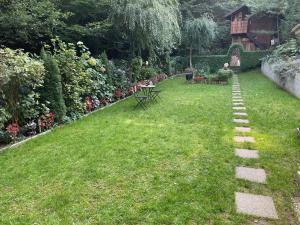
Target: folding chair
[(141, 101), (155, 93)]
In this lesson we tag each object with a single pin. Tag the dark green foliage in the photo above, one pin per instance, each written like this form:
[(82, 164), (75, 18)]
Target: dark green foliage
[(249, 60), (4, 137), (224, 74), (52, 88), (136, 67), (215, 62), (27, 23), (147, 72)]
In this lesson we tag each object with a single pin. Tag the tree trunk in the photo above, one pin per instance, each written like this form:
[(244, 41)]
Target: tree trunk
[(191, 53)]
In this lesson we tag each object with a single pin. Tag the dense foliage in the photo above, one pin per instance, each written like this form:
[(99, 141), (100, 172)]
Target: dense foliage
[(61, 85), (51, 92)]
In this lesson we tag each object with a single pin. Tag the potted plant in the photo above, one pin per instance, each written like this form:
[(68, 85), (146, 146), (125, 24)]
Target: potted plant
[(189, 74)]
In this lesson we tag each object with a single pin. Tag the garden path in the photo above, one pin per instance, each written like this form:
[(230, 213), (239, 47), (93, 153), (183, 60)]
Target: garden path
[(247, 203)]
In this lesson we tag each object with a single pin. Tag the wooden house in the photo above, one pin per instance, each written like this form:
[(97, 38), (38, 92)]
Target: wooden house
[(254, 31)]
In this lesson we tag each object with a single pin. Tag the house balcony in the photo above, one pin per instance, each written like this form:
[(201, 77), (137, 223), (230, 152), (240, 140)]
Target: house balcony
[(239, 27)]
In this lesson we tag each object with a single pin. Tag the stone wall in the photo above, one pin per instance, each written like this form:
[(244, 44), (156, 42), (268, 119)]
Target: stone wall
[(290, 84)]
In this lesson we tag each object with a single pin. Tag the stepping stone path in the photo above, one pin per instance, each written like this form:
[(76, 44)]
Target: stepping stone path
[(239, 108), (250, 174), (240, 121), (240, 114), (242, 139), (238, 103), (246, 203), (256, 205), (246, 153), (242, 129)]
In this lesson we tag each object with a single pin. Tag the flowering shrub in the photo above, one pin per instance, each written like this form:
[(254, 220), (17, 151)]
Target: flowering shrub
[(82, 82), (13, 130), (118, 93), (199, 78), (18, 91), (89, 105), (47, 121)]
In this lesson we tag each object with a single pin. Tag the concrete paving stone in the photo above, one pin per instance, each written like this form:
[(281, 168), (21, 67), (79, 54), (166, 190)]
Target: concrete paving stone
[(246, 153), (241, 121), (239, 108), (237, 100), (240, 114), (251, 174), (242, 139), (237, 97), (238, 103), (242, 129), (255, 205)]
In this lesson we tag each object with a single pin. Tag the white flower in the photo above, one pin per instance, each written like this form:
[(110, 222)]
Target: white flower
[(79, 43), (226, 65), (147, 63)]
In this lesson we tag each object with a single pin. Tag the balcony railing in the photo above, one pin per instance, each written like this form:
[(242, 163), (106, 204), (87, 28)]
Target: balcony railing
[(239, 27)]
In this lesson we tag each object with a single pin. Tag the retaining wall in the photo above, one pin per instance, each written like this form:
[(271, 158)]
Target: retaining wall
[(290, 84)]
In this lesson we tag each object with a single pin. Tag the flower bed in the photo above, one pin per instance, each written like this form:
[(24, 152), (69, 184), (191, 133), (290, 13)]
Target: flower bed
[(60, 86)]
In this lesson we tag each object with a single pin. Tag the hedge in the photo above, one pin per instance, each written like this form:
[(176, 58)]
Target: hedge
[(249, 60)]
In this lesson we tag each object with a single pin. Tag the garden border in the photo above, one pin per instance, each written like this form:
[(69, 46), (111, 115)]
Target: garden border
[(12, 146)]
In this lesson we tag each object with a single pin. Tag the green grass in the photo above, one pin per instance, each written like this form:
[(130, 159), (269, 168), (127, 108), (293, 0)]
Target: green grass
[(171, 164)]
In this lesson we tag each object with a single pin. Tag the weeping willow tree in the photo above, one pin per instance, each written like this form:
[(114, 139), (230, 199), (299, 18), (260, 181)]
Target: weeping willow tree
[(199, 33), (151, 25)]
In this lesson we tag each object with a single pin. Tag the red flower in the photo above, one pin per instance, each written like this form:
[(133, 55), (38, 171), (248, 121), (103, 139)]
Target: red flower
[(13, 129), (89, 104), (118, 93)]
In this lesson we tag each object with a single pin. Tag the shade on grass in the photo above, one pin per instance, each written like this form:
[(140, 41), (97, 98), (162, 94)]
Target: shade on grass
[(171, 164)]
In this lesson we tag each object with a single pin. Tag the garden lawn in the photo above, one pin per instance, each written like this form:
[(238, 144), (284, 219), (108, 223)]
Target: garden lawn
[(171, 164)]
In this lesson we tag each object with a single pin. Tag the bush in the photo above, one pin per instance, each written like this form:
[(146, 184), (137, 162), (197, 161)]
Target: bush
[(251, 60), (19, 96), (147, 72), (136, 67), (76, 81), (52, 89), (214, 62), (224, 74), (4, 137)]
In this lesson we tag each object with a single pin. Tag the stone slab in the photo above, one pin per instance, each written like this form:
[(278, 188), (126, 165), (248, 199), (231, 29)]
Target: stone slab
[(251, 174), (242, 129), (238, 103), (246, 153), (238, 100), (255, 205), (240, 114), (242, 139), (241, 121), (239, 108)]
